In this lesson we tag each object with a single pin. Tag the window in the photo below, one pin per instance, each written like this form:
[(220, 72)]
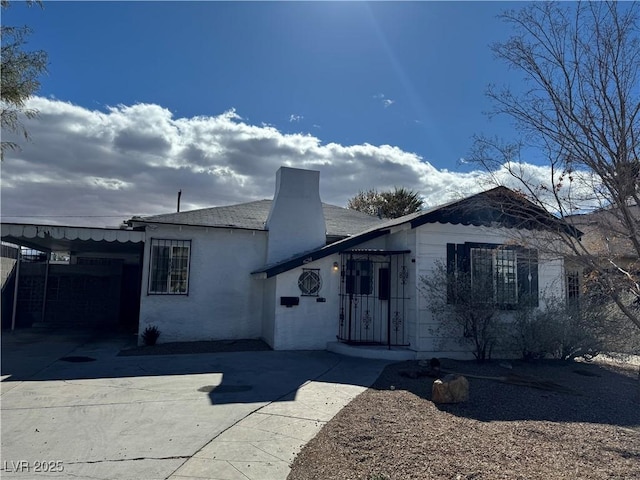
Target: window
[(359, 280), (573, 287), (169, 267), (309, 282), (508, 274)]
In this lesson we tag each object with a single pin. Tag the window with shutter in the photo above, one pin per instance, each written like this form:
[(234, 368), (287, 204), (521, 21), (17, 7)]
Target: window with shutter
[(508, 274)]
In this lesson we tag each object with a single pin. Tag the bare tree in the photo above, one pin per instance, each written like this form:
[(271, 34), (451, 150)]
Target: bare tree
[(366, 201), (580, 109), (388, 204)]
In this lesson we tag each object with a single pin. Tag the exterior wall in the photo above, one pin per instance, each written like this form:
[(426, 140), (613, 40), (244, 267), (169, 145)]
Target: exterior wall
[(431, 240), (551, 278), (312, 323), (224, 301), (269, 310)]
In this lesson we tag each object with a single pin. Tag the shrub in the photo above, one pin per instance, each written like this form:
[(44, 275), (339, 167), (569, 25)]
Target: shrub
[(569, 331), (462, 311), (150, 335), (532, 335), (557, 329)]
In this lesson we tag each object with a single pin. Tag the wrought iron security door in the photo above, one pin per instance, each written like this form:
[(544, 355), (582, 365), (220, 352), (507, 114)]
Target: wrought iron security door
[(373, 294)]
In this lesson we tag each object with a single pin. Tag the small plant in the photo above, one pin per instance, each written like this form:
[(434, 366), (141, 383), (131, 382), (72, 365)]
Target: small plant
[(150, 335)]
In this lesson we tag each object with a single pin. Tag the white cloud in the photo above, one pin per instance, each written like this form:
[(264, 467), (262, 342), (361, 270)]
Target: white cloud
[(386, 102), (295, 118), (132, 160)]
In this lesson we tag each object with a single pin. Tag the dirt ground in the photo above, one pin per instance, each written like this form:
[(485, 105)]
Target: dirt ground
[(588, 427)]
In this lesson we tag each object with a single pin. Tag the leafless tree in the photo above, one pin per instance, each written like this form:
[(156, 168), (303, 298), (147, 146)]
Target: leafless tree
[(21, 70), (580, 110), (388, 204)]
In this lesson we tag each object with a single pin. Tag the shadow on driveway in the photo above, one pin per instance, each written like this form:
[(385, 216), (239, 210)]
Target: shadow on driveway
[(260, 375)]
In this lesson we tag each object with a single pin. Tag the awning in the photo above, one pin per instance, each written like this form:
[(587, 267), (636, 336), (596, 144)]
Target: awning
[(61, 238)]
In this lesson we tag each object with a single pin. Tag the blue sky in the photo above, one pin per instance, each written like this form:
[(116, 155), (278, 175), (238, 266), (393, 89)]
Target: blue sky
[(397, 89)]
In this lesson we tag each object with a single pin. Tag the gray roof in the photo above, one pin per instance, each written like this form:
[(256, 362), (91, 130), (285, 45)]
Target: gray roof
[(498, 206), (341, 222)]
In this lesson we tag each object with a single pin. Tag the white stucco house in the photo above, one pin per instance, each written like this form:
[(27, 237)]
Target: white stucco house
[(301, 274)]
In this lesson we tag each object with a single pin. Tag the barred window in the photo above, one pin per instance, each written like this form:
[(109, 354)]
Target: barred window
[(506, 277), (310, 282), (507, 274), (169, 267), (573, 286), (493, 270)]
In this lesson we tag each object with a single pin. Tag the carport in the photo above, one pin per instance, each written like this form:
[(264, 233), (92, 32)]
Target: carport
[(96, 286)]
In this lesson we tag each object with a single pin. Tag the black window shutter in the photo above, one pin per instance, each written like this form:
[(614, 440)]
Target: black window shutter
[(458, 261), (528, 276), (384, 284), (464, 257), (451, 271)]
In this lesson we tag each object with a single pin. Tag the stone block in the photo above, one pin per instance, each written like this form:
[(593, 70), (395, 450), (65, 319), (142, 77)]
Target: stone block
[(450, 389)]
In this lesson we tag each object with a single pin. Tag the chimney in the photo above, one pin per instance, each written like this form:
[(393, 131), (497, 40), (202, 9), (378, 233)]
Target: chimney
[(296, 221)]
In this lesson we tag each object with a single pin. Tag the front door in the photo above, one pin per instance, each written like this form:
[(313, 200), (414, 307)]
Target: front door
[(372, 298)]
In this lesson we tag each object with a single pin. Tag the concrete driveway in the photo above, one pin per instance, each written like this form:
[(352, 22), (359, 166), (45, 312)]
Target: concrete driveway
[(241, 415)]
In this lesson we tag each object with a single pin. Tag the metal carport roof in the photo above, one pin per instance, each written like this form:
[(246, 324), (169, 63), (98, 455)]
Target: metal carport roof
[(62, 238)]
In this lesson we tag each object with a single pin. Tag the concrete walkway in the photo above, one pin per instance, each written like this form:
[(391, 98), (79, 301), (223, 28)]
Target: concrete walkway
[(241, 415)]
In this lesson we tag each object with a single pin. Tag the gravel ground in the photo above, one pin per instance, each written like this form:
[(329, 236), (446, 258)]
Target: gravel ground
[(504, 431)]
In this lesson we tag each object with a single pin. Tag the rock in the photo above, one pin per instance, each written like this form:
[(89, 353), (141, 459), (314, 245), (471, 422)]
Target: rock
[(450, 389)]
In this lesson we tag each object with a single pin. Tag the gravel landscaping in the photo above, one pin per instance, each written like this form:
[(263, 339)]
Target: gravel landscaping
[(588, 429)]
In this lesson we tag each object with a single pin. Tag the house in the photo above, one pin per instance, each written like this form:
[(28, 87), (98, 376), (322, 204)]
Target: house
[(606, 246), (301, 274)]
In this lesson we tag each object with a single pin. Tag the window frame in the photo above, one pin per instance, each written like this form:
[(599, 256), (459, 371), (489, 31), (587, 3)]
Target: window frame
[(310, 273), (155, 278), (511, 263), (359, 277), (573, 285)]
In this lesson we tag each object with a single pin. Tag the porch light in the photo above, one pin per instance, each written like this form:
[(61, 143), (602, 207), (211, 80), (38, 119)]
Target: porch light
[(336, 267)]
